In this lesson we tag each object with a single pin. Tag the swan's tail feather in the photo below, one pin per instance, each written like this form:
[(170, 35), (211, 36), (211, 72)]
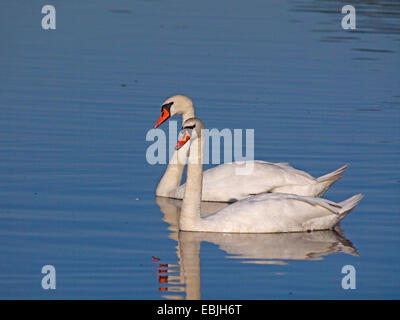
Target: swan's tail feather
[(334, 175), (328, 179), (349, 204)]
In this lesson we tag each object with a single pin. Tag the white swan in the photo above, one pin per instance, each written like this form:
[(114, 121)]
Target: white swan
[(264, 213), (223, 184)]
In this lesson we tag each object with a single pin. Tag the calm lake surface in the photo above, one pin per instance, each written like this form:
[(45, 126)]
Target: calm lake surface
[(76, 103)]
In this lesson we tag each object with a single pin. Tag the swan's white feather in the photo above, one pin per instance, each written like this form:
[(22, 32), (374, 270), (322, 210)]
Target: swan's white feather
[(276, 212), (223, 183)]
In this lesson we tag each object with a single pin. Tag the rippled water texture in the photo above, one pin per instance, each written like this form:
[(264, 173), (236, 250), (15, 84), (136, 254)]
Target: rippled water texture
[(76, 191)]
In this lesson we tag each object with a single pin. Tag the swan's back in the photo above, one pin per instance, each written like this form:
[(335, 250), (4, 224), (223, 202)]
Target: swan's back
[(279, 212), (225, 183)]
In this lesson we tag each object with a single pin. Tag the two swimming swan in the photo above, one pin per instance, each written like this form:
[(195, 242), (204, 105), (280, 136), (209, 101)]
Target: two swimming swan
[(261, 213), (222, 184)]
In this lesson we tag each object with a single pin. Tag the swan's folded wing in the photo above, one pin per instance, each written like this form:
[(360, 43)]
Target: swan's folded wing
[(288, 168), (327, 204)]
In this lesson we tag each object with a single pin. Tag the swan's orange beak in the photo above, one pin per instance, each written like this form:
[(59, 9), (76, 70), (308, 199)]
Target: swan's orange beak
[(183, 138), (164, 116)]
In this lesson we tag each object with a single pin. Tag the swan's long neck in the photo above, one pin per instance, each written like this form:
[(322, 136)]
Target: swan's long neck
[(173, 174), (190, 212), (188, 114)]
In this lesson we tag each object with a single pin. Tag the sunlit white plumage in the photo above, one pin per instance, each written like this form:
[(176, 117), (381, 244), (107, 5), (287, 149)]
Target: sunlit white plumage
[(264, 213), (277, 212), (222, 183)]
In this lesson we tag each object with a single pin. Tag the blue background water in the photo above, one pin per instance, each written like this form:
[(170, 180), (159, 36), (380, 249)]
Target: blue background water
[(76, 103)]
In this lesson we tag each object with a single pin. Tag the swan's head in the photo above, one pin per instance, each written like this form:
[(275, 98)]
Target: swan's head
[(178, 104), (191, 130)]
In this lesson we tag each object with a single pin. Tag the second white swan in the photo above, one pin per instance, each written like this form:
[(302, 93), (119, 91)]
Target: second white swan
[(264, 213)]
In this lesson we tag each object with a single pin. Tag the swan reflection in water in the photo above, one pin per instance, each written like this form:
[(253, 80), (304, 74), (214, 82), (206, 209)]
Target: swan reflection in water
[(259, 248)]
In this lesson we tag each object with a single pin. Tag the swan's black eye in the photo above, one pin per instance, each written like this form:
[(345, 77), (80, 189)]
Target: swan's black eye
[(189, 127), (167, 106)]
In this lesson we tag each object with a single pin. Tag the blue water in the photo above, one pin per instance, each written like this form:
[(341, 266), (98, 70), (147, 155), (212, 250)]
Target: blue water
[(76, 191)]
